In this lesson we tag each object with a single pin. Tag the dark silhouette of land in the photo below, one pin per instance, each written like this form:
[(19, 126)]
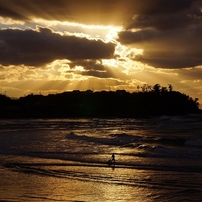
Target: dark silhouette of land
[(149, 101)]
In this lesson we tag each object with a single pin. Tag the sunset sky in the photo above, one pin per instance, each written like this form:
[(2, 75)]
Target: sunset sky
[(52, 46)]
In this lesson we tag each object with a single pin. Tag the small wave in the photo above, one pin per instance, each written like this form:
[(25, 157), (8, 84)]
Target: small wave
[(124, 138), (121, 139), (131, 145), (85, 138), (147, 147)]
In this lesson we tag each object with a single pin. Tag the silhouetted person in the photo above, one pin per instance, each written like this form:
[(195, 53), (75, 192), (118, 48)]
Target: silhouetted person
[(111, 161), (113, 158)]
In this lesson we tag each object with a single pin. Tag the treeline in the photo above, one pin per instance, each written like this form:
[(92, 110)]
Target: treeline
[(149, 101)]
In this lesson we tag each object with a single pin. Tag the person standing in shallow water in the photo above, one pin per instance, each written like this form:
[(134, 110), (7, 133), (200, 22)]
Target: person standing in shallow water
[(113, 158), (111, 161)]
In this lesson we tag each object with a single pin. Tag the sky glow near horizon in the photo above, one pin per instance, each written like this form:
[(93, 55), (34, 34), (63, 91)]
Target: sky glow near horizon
[(55, 46)]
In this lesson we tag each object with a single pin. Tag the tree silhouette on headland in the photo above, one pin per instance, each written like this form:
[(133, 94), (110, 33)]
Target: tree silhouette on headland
[(148, 101)]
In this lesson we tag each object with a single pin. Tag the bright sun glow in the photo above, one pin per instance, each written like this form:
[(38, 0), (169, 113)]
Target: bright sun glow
[(79, 68), (107, 33), (110, 63), (112, 34)]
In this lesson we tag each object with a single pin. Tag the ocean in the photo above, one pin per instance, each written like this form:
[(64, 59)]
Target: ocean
[(157, 159)]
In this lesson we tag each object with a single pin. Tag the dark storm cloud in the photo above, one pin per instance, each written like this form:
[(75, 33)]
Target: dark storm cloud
[(99, 74), (162, 20), (171, 40), (92, 68), (92, 11), (169, 49), (165, 22), (87, 64), (36, 48)]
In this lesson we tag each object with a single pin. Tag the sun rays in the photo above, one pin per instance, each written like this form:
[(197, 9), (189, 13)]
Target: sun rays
[(109, 72), (123, 70)]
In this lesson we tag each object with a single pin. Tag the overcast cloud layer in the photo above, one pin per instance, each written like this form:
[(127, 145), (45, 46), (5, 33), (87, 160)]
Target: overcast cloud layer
[(103, 11), (168, 31), (35, 48)]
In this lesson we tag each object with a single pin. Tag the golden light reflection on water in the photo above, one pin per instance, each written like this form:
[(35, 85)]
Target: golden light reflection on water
[(56, 180), (71, 183), (94, 184), (59, 182)]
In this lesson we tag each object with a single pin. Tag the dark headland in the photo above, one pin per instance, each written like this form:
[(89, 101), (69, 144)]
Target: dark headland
[(154, 101)]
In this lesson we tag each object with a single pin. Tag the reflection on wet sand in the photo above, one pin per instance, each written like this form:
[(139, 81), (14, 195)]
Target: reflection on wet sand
[(72, 183)]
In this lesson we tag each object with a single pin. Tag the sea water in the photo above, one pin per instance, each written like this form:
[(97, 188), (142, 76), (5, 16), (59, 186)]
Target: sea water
[(157, 159)]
